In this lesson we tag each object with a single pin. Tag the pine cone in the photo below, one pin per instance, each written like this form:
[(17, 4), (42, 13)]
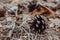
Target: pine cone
[(38, 25)]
